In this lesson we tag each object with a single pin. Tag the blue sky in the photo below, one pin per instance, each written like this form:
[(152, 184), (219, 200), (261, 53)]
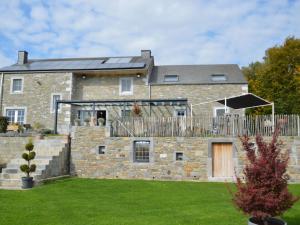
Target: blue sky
[(177, 31)]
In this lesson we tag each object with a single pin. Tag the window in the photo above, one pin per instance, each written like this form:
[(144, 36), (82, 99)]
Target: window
[(54, 99), (126, 86), (141, 151), (179, 156), (16, 85), (171, 78), (218, 77), (125, 112), (101, 150), (180, 112), (16, 115), (219, 111)]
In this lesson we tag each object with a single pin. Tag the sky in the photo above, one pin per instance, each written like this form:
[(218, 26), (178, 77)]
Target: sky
[(176, 31)]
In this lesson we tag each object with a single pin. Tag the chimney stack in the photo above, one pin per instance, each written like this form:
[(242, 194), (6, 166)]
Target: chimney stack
[(22, 57), (146, 54)]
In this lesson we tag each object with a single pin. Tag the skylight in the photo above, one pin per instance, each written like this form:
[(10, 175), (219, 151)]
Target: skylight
[(171, 78), (119, 60), (218, 77)]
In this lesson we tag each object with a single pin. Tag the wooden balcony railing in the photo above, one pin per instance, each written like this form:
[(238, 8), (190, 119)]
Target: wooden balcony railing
[(206, 126)]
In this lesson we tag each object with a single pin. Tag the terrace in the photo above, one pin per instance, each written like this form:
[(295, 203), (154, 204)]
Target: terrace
[(158, 119)]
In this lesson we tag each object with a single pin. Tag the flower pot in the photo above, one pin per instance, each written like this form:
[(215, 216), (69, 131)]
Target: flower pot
[(27, 182), (271, 221)]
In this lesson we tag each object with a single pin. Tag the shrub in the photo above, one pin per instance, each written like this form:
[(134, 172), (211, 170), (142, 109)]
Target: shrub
[(262, 192), (3, 124), (28, 168), (45, 131)]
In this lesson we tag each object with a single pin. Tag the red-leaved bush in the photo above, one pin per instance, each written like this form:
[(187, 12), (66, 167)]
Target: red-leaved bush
[(262, 192)]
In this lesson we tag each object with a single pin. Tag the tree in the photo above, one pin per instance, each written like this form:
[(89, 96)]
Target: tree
[(277, 78), (263, 192)]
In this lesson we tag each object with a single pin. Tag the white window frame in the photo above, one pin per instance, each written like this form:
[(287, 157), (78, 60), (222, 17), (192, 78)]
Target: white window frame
[(120, 86), (52, 109), (219, 107), (126, 109), (11, 85), (16, 108)]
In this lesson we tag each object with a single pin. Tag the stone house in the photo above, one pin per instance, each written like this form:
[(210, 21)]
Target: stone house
[(168, 140), (30, 88)]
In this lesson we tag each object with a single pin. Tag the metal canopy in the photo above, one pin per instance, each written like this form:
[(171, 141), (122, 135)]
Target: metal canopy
[(141, 102), (244, 101)]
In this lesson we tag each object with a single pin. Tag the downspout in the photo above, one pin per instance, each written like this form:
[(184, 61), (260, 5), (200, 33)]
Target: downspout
[(1, 92)]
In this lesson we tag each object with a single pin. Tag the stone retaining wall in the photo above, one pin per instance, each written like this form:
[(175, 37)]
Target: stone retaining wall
[(117, 161), (11, 147)]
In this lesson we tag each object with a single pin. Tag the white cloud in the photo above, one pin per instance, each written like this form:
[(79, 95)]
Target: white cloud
[(181, 32)]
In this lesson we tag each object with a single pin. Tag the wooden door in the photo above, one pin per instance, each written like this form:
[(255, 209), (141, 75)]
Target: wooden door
[(222, 160)]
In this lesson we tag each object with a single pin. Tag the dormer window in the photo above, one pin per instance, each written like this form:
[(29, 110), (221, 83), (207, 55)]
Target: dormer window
[(171, 78), (218, 77)]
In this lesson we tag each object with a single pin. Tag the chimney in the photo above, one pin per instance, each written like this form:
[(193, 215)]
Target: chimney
[(146, 54), (22, 57)]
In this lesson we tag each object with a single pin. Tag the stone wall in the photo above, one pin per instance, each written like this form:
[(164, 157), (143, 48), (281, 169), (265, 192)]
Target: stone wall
[(36, 96), (10, 148), (196, 93), (117, 162)]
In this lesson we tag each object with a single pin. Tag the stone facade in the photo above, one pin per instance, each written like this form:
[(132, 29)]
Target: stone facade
[(197, 93), (38, 89), (117, 161), (36, 97)]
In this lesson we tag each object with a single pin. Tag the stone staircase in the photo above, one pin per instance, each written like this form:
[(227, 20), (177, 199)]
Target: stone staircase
[(52, 160)]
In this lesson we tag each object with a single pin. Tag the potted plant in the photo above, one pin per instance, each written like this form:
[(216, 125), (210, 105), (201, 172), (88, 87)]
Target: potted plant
[(262, 193), (87, 121), (27, 182), (101, 122), (136, 110)]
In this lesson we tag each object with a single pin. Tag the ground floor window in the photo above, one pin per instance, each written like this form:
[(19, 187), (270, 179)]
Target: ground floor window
[(16, 115), (125, 113), (141, 151), (88, 114)]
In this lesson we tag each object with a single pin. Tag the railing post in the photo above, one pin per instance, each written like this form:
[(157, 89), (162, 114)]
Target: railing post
[(298, 125)]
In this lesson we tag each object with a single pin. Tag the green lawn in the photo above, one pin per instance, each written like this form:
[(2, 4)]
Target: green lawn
[(87, 202)]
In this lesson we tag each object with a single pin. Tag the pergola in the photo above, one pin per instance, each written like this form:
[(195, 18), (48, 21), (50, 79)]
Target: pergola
[(122, 103), (244, 101)]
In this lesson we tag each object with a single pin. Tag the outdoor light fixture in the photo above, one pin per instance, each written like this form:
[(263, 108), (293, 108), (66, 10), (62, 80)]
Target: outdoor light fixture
[(83, 77), (138, 75)]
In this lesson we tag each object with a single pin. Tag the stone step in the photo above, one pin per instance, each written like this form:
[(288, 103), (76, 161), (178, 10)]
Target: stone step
[(10, 183), (35, 175), (37, 160), (17, 167)]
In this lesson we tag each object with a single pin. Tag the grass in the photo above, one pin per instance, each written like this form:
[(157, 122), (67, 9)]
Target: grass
[(89, 202)]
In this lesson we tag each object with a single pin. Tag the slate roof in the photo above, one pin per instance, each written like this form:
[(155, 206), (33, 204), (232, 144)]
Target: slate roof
[(198, 74), (75, 64)]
